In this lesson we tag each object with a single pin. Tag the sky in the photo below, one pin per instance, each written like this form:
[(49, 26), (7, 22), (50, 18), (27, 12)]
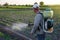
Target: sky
[(23, 2)]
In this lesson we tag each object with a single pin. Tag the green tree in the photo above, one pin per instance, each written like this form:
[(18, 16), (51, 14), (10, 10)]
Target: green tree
[(6, 4), (41, 3), (26, 5)]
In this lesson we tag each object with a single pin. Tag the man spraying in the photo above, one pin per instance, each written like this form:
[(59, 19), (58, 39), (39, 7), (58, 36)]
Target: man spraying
[(43, 22), (38, 21)]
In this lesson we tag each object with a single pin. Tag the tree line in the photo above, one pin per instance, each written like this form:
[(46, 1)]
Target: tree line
[(6, 4)]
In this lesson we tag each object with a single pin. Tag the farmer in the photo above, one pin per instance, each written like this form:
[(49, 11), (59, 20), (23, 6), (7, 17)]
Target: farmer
[(38, 21)]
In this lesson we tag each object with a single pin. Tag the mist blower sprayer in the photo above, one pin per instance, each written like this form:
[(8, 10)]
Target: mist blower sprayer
[(48, 20)]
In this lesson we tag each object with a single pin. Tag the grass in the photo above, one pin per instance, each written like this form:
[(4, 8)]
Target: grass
[(17, 15)]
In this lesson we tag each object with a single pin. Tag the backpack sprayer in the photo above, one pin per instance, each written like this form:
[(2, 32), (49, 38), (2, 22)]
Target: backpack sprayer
[(48, 21)]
